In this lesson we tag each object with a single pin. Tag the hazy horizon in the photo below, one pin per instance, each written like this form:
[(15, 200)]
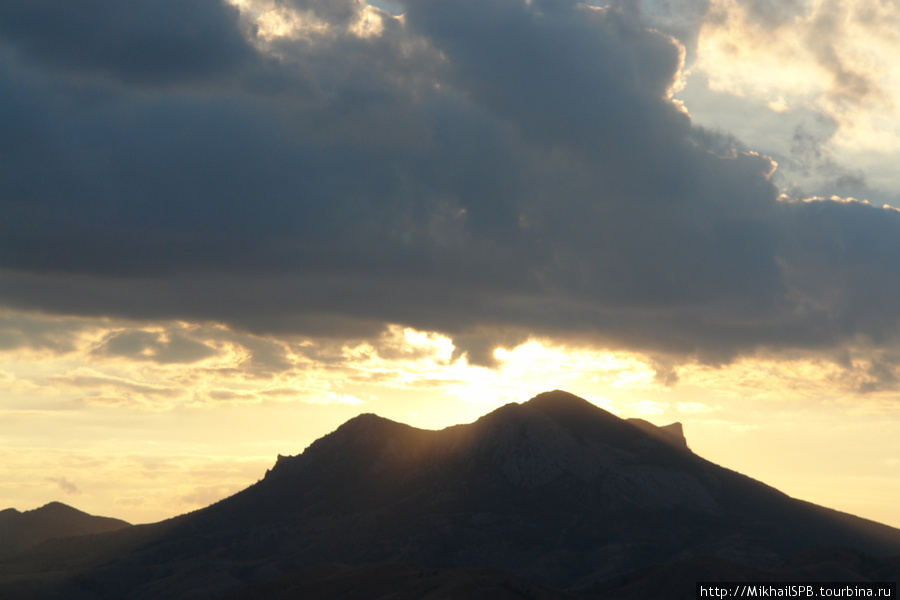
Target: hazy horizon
[(228, 227), (796, 484)]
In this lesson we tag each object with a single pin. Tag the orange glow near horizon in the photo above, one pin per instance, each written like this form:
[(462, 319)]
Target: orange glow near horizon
[(107, 420)]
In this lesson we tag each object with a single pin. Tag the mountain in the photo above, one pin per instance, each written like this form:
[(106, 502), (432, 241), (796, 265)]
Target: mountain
[(678, 579), (22, 530), (672, 434), (399, 581), (554, 492)]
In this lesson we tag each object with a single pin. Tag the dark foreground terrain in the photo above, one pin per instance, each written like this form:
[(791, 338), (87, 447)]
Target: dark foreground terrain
[(552, 498)]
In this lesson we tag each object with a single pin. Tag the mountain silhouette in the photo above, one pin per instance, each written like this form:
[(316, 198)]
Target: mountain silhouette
[(678, 579), (402, 581), (399, 581), (22, 530), (553, 492)]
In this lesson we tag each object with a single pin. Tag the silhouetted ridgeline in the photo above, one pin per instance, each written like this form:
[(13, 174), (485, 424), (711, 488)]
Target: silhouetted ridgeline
[(553, 494), (23, 530)]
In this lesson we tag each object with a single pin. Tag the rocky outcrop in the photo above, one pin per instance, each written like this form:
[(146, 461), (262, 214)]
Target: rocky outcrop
[(672, 434)]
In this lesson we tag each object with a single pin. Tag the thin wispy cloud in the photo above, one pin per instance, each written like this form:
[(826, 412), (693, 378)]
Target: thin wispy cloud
[(65, 485)]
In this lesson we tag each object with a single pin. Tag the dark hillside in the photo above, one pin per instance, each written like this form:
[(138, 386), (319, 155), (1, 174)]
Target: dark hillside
[(555, 491)]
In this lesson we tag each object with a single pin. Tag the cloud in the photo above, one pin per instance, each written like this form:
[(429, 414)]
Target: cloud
[(808, 155), (682, 19), (110, 390), (39, 333), (486, 170), (836, 56), (65, 485), (158, 347), (132, 42)]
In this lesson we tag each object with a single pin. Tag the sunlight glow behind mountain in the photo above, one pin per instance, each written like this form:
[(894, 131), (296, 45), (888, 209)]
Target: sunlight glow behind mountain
[(228, 227), (144, 436)]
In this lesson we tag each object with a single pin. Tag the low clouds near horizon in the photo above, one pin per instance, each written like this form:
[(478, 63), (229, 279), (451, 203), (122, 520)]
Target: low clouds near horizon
[(490, 170)]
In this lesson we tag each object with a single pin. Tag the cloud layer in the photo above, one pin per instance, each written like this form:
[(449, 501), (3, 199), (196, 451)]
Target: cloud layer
[(489, 170)]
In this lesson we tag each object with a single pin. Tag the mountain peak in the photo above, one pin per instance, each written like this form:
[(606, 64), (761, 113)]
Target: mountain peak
[(567, 408), (364, 439), (22, 530), (57, 510), (554, 489), (573, 411), (561, 401), (362, 431)]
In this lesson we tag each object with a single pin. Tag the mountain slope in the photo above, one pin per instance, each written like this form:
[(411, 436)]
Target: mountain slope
[(554, 490), (677, 579), (399, 581), (22, 530)]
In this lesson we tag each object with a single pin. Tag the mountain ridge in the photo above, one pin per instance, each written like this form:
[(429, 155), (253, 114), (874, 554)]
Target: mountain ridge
[(555, 491), (547, 414), (23, 530), (528, 488)]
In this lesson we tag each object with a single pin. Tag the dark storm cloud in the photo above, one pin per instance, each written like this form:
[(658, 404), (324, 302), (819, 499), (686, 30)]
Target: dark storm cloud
[(137, 42), (487, 169)]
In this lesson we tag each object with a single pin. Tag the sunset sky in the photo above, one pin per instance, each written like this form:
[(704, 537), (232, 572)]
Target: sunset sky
[(226, 228)]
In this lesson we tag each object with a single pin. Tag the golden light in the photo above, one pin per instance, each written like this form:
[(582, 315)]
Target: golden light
[(836, 57)]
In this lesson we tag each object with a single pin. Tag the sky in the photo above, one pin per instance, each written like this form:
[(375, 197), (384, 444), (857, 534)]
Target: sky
[(228, 227)]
